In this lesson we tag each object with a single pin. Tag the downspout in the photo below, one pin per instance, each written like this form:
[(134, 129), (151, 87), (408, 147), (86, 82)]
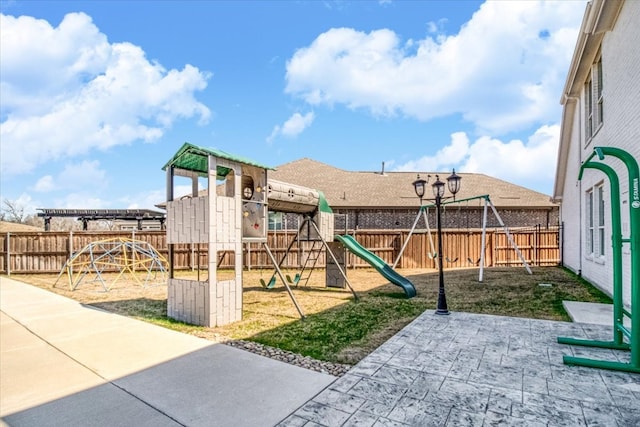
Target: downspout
[(566, 99), (580, 193)]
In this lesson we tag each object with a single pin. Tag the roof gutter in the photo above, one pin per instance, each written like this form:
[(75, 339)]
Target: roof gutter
[(566, 130), (599, 17)]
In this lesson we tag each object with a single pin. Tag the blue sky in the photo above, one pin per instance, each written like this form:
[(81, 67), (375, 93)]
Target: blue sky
[(96, 96)]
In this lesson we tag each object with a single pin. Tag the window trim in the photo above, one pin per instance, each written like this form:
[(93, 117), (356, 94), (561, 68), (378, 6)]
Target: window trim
[(595, 217), (594, 100), (588, 100), (601, 220), (275, 221), (599, 92), (589, 242)]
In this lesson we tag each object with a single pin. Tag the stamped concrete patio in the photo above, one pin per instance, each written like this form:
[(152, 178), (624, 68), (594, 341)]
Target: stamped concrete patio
[(479, 370)]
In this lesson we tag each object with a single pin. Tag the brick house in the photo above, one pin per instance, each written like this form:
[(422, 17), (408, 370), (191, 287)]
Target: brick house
[(600, 109), (387, 200)]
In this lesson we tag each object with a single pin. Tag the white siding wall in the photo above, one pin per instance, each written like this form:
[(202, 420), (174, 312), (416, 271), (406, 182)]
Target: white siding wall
[(621, 129), (571, 211), (621, 54)]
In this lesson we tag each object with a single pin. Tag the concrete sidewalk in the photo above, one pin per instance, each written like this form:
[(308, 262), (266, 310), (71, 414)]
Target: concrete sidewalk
[(66, 364)]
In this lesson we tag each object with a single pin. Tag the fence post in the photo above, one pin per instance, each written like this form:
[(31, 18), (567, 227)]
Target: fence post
[(8, 253), (536, 241), (133, 239), (70, 246), (561, 243), (493, 248)]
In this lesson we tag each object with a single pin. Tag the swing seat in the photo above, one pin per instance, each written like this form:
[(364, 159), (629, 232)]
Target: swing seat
[(474, 263), (451, 261), (271, 283), (433, 255), (295, 280)]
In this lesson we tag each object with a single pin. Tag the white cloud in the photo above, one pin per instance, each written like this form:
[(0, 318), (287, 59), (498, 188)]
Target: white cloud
[(447, 157), (74, 176), (516, 161), (146, 200), (293, 127), (26, 201), (66, 90), (437, 27), (81, 200), (531, 163), (44, 184), (503, 71), (296, 124), (149, 199), (80, 175)]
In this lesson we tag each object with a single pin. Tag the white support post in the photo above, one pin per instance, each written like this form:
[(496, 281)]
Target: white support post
[(406, 242), (413, 227), (513, 243), (70, 252), (484, 241), (431, 245)]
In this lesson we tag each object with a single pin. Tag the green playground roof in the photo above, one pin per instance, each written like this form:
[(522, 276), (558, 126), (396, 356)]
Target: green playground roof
[(196, 159)]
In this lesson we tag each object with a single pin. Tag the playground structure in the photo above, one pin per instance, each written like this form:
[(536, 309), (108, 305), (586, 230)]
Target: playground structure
[(422, 213), (317, 226), (349, 243), (235, 211), (620, 331), (120, 255), (307, 231), (224, 219)]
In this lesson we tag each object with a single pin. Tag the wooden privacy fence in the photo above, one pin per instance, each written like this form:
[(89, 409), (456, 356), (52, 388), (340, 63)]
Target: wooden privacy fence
[(47, 252)]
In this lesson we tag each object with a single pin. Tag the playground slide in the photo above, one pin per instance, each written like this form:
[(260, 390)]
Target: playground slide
[(376, 262)]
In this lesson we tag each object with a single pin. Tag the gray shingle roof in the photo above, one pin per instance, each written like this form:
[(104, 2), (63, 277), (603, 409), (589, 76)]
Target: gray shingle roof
[(349, 189)]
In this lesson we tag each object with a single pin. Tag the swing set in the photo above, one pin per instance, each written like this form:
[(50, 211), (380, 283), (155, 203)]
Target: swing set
[(423, 213)]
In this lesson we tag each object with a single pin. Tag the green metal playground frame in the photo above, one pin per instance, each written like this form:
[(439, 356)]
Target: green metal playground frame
[(620, 331)]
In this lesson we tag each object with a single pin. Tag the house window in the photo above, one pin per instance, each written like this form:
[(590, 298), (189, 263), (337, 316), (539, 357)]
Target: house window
[(593, 100), (600, 109), (590, 223), (275, 220), (601, 241), (588, 100)]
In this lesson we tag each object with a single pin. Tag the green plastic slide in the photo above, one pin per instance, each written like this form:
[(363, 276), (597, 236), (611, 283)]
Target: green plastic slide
[(376, 262)]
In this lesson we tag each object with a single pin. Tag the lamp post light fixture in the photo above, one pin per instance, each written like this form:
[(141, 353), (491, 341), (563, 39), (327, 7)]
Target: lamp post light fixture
[(453, 183)]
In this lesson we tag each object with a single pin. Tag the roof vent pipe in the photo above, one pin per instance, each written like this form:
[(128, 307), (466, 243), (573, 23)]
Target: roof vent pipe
[(382, 173)]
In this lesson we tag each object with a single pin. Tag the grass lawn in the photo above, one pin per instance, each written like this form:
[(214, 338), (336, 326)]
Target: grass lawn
[(338, 329)]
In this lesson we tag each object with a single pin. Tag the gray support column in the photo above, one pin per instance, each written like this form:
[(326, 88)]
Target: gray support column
[(170, 172), (334, 277)]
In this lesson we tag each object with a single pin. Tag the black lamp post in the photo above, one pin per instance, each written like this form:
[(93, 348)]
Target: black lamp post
[(419, 185)]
